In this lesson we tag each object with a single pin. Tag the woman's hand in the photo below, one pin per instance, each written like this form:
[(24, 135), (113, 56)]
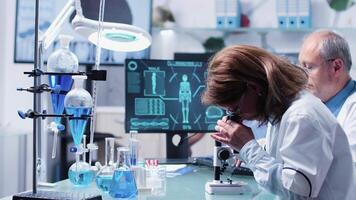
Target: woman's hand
[(232, 133)]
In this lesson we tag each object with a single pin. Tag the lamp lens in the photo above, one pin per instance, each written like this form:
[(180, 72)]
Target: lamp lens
[(120, 37)]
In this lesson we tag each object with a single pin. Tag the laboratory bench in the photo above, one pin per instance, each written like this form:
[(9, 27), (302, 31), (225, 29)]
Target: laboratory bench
[(187, 186)]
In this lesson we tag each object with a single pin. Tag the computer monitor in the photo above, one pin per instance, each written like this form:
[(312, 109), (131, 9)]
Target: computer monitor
[(164, 96), (193, 56)]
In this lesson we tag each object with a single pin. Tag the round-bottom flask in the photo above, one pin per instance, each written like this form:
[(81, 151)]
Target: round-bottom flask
[(80, 174), (123, 183)]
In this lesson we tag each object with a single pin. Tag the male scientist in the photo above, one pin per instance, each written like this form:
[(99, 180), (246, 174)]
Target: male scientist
[(326, 57)]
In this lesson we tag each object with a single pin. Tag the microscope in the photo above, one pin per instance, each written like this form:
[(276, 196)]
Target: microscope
[(223, 157)]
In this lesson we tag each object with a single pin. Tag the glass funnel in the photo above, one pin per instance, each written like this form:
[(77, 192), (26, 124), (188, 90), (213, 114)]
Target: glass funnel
[(106, 172), (63, 61), (123, 184), (78, 102)]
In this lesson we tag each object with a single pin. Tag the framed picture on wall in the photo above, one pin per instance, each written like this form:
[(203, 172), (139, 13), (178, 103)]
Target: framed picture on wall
[(133, 12)]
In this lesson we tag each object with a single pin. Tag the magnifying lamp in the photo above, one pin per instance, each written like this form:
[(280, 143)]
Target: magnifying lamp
[(114, 36)]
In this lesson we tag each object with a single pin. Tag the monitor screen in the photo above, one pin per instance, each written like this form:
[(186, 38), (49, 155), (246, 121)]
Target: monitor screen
[(193, 56), (165, 96)]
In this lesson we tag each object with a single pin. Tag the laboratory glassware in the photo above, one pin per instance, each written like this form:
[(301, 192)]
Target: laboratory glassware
[(61, 61), (104, 177), (80, 172), (133, 146), (78, 103), (123, 183)]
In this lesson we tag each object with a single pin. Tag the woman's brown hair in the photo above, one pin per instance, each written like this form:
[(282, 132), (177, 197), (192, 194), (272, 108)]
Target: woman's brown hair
[(234, 67)]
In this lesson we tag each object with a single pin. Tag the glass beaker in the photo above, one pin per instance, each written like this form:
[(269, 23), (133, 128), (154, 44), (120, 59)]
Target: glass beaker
[(78, 102), (104, 177), (123, 183), (156, 180)]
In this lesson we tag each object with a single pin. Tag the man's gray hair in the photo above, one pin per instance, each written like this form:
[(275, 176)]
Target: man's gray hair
[(335, 46)]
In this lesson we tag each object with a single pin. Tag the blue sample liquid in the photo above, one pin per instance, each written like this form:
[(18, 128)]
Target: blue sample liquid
[(104, 182), (65, 83), (123, 184), (77, 126), (81, 177)]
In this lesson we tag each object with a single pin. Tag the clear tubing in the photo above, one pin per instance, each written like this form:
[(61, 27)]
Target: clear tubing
[(97, 64), (100, 29), (77, 155), (109, 150), (54, 147), (84, 149)]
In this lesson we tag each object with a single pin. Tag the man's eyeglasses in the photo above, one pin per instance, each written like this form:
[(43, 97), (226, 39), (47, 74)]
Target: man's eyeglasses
[(308, 68)]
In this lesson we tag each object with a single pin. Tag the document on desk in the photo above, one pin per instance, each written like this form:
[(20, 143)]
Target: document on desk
[(178, 169)]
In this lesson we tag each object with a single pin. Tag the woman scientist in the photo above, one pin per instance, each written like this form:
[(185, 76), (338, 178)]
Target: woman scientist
[(307, 154)]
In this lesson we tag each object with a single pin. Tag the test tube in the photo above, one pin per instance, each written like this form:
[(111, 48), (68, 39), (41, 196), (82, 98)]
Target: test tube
[(133, 146)]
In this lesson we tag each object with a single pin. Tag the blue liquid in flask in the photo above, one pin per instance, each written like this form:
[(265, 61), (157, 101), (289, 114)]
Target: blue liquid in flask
[(104, 182), (81, 177), (123, 185), (77, 126), (65, 83)]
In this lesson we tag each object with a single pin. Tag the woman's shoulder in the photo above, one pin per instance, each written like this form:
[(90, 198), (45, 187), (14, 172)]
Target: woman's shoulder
[(307, 104)]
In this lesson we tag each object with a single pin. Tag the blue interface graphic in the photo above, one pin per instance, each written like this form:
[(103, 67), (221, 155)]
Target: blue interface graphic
[(165, 96)]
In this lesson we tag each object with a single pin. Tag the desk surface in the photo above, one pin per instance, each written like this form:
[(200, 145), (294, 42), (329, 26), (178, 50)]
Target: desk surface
[(188, 186)]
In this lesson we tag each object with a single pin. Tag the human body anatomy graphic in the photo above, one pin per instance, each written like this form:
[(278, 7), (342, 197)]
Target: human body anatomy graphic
[(154, 80), (185, 97)]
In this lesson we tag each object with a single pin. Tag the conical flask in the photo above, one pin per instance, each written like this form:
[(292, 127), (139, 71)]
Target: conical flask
[(61, 60), (78, 102), (104, 177), (123, 184)]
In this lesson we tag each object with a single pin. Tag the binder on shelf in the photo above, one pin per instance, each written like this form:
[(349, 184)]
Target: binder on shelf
[(294, 14), (233, 13), (282, 13), (220, 13), (228, 13), (304, 10)]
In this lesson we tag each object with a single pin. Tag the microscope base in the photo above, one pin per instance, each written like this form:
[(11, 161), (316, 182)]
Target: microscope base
[(235, 187)]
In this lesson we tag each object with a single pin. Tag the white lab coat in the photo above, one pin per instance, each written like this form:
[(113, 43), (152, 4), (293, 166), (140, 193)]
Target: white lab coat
[(307, 154), (347, 120)]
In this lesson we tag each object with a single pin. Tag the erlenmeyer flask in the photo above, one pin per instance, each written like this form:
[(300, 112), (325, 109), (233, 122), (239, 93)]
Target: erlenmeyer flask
[(123, 183), (106, 172), (78, 102), (61, 60)]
